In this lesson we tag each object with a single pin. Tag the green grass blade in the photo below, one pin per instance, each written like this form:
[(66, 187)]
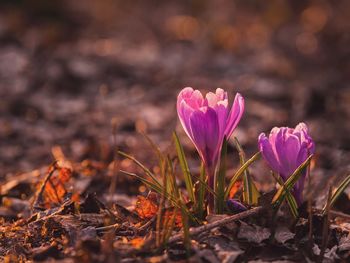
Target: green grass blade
[(291, 181), (139, 164), (290, 198), (220, 180), (201, 193), (171, 226), (185, 224), (341, 188), (151, 185), (176, 193), (292, 204), (250, 192), (159, 190), (184, 167), (240, 171), (153, 145), (204, 184)]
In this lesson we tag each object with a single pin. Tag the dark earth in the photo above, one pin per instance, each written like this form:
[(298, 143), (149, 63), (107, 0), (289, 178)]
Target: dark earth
[(79, 79)]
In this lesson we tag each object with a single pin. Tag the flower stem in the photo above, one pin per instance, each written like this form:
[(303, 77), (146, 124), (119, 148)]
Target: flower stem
[(211, 183)]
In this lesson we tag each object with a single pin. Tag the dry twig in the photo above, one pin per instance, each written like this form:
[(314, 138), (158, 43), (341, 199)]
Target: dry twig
[(220, 222)]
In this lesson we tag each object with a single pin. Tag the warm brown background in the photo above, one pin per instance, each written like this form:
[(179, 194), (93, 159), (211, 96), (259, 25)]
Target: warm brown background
[(68, 67)]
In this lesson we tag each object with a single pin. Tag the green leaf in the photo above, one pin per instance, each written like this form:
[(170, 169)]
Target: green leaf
[(159, 189), (144, 168), (292, 204), (240, 171), (153, 145), (201, 193), (151, 185), (185, 224), (290, 198), (344, 184), (177, 193), (205, 185), (184, 167), (171, 225), (291, 181), (250, 192), (220, 180)]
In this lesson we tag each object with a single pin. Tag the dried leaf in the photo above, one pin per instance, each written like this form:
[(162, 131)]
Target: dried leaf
[(283, 235), (55, 188), (137, 242), (253, 233), (168, 216), (237, 186), (145, 207)]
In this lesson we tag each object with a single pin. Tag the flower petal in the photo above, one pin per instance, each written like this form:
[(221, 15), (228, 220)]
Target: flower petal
[(184, 112), (193, 98), (287, 148), (235, 115), (205, 134), (267, 151), (305, 137)]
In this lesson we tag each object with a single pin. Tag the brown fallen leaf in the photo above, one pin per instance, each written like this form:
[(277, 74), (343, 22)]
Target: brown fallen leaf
[(145, 207), (168, 215), (55, 188), (137, 242), (235, 189)]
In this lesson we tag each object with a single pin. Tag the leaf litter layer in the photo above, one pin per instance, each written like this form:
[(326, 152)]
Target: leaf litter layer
[(68, 222)]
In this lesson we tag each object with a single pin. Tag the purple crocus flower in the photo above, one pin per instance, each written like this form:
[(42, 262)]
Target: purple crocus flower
[(207, 121), (285, 150)]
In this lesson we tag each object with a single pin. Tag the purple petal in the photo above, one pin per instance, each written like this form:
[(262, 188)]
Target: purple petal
[(267, 152), (236, 206), (184, 112), (287, 148), (188, 100), (193, 98), (235, 115), (205, 134)]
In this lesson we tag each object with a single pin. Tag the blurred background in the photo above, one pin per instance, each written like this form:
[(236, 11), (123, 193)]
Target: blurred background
[(71, 69)]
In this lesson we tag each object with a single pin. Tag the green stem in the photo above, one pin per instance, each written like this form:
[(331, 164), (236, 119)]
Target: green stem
[(211, 183)]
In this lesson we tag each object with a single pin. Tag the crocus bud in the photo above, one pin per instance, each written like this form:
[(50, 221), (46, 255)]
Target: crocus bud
[(285, 150), (207, 120)]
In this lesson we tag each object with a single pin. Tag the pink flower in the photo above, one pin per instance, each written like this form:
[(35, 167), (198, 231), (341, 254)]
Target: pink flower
[(207, 120), (285, 150)]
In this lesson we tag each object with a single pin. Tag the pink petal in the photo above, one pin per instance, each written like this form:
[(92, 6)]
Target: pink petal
[(193, 98), (184, 112), (235, 115), (205, 134), (287, 148), (267, 151), (213, 99)]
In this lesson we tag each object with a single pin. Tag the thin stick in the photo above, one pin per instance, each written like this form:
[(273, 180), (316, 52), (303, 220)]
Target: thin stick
[(210, 226), (339, 214), (106, 228), (38, 197)]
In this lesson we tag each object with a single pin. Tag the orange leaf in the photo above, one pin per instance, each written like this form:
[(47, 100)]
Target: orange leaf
[(168, 217), (235, 188), (55, 188), (145, 207), (137, 242)]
